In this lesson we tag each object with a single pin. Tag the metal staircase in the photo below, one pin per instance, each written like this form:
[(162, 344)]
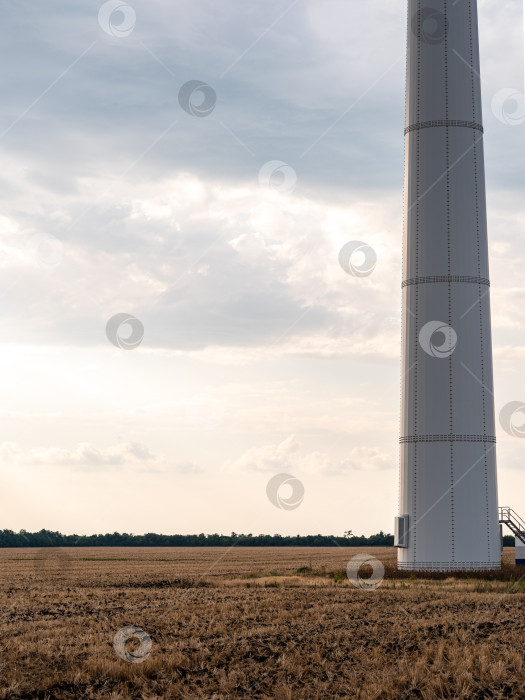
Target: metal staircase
[(512, 520)]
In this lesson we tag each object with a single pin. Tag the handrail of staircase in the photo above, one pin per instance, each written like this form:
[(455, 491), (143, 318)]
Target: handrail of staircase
[(517, 519), (509, 514)]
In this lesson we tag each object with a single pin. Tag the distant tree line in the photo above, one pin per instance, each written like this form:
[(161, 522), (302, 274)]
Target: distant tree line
[(47, 538)]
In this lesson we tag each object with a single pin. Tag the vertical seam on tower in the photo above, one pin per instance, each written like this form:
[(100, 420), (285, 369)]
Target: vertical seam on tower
[(416, 291), (402, 359), (482, 350), (449, 288)]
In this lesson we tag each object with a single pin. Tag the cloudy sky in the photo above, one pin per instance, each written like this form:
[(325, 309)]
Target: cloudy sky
[(198, 167)]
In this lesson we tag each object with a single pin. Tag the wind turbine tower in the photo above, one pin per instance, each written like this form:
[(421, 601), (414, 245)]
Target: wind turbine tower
[(448, 490)]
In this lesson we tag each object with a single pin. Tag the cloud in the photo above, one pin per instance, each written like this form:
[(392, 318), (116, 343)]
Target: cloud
[(288, 456), (207, 266), (272, 458), (87, 457), (119, 97), (367, 458), (159, 213)]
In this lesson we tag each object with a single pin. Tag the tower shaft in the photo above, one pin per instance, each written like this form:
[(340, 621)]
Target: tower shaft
[(448, 485)]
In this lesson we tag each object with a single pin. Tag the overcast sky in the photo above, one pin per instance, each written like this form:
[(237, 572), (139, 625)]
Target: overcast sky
[(213, 212)]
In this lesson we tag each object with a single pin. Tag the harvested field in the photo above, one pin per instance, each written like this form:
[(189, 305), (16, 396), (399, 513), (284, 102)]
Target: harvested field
[(258, 623)]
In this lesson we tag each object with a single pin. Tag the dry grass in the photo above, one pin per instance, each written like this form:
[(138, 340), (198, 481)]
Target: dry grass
[(242, 623)]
